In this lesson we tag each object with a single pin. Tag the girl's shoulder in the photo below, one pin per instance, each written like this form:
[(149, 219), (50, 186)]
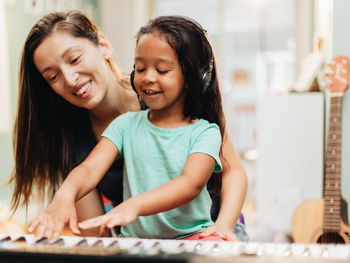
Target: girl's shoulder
[(129, 117), (202, 126)]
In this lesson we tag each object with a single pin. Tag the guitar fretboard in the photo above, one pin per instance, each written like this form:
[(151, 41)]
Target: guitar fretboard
[(332, 190)]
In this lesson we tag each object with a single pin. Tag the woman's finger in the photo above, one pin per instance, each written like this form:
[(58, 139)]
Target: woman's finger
[(57, 230), (73, 223), (40, 230), (33, 225), (49, 228)]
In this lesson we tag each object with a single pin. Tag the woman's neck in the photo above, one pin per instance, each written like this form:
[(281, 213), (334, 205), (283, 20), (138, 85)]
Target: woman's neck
[(118, 100)]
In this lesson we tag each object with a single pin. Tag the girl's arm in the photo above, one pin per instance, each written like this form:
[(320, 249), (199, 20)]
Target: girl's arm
[(175, 193), (80, 181), (233, 192)]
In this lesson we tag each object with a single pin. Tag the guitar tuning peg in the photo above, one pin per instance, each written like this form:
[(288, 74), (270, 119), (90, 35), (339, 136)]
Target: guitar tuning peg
[(329, 81), (344, 81), (344, 61), (344, 71)]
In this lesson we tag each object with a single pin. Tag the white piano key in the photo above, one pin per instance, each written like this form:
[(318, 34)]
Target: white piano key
[(221, 248), (204, 248), (127, 242), (298, 250), (30, 239), (91, 241), (282, 249), (148, 243), (236, 248), (108, 241), (339, 251), (173, 246), (268, 249), (136, 249), (71, 241), (191, 246), (15, 237), (252, 248), (154, 249), (316, 250), (3, 237)]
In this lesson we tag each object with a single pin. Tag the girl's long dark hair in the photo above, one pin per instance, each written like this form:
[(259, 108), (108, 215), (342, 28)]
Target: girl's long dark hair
[(44, 126), (195, 55)]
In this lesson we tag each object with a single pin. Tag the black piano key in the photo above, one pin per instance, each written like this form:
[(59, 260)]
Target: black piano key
[(42, 241)]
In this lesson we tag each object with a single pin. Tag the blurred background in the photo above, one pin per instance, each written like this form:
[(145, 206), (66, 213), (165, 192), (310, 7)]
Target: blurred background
[(271, 56)]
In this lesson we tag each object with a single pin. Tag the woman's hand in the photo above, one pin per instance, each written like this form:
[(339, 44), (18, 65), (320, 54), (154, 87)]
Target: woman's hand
[(221, 231), (51, 221), (123, 214)]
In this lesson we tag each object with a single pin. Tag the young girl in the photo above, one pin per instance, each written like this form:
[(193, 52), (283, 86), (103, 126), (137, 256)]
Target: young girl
[(170, 150)]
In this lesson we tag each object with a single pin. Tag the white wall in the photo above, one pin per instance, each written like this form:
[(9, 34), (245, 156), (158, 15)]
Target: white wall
[(290, 164), (5, 116), (120, 21)]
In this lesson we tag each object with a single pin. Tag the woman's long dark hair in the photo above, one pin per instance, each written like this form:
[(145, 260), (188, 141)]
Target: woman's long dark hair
[(44, 126), (189, 41)]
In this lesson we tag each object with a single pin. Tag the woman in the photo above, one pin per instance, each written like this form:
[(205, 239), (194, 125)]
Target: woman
[(70, 89)]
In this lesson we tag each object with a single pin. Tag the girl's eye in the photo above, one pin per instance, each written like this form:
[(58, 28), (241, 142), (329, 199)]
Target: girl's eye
[(162, 71), (140, 69)]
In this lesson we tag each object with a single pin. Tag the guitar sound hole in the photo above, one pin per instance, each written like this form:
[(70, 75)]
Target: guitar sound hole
[(330, 237)]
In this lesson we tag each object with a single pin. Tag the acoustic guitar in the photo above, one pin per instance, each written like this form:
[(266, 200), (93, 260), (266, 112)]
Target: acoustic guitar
[(322, 220)]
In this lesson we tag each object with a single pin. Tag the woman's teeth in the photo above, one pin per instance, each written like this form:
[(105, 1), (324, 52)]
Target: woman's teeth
[(83, 89)]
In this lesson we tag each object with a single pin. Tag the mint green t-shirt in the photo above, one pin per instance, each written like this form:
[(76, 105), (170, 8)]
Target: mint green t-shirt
[(152, 157)]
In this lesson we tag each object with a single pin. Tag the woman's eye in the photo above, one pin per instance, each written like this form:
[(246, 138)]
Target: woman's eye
[(53, 78), (75, 60)]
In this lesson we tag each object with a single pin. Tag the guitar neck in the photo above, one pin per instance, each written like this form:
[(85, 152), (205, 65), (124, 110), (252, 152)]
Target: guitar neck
[(332, 189)]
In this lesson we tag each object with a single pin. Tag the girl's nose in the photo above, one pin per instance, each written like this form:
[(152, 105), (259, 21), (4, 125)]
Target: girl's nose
[(149, 77)]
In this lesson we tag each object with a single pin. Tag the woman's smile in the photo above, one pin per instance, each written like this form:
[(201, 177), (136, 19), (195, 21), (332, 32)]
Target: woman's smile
[(83, 90)]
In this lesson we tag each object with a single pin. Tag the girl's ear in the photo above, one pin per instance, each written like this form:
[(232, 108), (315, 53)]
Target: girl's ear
[(105, 46)]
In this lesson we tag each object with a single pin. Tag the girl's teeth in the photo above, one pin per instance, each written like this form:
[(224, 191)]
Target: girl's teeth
[(151, 92)]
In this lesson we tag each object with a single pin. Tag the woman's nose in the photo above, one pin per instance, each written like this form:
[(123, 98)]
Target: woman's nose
[(71, 78)]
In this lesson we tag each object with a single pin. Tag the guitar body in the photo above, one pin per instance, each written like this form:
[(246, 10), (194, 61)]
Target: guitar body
[(307, 225)]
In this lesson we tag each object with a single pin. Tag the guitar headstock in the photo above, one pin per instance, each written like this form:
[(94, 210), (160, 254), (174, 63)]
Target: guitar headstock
[(338, 75)]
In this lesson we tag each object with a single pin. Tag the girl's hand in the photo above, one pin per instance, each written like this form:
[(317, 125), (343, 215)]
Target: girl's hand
[(50, 222), (123, 214), (221, 231)]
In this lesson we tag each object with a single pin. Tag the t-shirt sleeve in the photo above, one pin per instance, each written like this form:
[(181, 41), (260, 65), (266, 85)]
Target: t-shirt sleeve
[(115, 131), (209, 142)]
